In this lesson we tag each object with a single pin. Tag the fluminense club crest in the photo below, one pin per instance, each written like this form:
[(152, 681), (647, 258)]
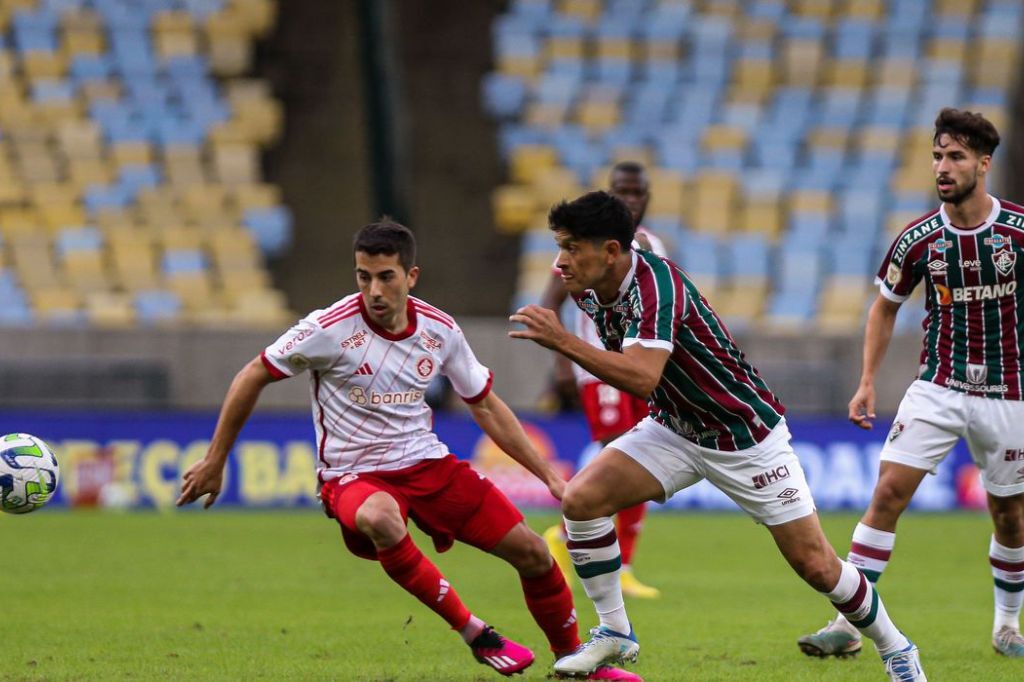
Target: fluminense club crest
[(1004, 261)]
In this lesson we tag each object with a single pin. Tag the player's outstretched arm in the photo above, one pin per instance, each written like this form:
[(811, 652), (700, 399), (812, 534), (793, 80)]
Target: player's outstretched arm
[(877, 335), (207, 475), (637, 370), (500, 423)]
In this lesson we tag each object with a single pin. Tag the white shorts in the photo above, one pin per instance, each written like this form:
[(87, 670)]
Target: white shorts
[(931, 419), (766, 480)]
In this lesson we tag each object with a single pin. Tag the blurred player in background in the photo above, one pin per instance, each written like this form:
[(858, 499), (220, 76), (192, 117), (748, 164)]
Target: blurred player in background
[(969, 384), (609, 411), (711, 416), (371, 357)]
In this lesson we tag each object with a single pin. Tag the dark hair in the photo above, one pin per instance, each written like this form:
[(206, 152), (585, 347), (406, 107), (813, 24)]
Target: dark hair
[(595, 216), (387, 237), (970, 129), (629, 167)]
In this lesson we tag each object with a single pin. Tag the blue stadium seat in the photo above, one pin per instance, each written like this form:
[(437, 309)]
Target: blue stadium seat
[(271, 227), (748, 255), (78, 239), (854, 38), (851, 255), (183, 261), (767, 9), (98, 197), (699, 253), (87, 67), (134, 177), (157, 306), (52, 90)]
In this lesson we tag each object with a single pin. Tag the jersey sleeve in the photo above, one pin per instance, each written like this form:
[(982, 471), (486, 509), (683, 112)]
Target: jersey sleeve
[(304, 346), (658, 300), (470, 379), (896, 277)]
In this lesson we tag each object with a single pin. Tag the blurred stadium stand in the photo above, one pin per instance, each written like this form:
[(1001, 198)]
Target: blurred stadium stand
[(787, 141), (130, 183)]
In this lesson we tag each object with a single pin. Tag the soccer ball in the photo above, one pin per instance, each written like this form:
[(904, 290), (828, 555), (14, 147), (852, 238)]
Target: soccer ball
[(28, 473)]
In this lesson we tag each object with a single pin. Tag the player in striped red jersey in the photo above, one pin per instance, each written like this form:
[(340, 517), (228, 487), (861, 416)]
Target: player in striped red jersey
[(609, 412), (711, 416), (370, 357), (969, 382)]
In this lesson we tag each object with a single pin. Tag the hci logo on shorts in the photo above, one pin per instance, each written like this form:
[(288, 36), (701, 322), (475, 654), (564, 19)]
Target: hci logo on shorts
[(766, 478)]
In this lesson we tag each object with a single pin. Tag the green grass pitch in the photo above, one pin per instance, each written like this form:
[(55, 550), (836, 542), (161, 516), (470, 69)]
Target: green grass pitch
[(274, 595)]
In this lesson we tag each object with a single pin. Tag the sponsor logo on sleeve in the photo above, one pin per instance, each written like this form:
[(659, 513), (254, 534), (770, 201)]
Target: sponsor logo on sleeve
[(299, 337)]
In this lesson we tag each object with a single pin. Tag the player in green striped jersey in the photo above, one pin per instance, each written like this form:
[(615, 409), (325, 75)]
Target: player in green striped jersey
[(711, 416), (969, 382)]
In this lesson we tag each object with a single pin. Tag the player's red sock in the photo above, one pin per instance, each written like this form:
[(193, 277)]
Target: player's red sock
[(549, 600), (627, 526), (419, 577)]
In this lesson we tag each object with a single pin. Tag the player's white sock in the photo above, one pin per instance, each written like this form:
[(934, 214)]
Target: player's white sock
[(594, 549), (472, 629), (855, 597), (870, 550), (1008, 573)]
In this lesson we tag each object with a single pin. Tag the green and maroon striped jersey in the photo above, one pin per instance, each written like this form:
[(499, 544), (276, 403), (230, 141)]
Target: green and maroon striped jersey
[(973, 328), (708, 393)]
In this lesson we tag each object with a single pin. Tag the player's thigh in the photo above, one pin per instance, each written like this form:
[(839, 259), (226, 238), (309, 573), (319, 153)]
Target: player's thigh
[(766, 480), (929, 422), (648, 462), (470, 509), (995, 437), (342, 498)]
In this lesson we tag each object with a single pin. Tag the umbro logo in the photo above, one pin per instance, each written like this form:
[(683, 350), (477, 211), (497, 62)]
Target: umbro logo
[(938, 266), (788, 493), (364, 369)]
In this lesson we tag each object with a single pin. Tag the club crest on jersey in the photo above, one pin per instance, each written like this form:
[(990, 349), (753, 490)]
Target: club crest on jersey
[(1004, 261), (976, 373), (299, 361), (425, 367), (893, 275), (355, 341), (940, 246), (896, 430)]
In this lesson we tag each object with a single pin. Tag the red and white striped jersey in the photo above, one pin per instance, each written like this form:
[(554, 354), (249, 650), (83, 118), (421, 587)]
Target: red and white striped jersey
[(368, 384)]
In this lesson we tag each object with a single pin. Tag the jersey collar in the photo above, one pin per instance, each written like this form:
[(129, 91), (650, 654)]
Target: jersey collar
[(624, 286), (993, 214), (410, 311)]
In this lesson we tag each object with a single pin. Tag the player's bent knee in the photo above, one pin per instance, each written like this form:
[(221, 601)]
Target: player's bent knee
[(818, 570), (579, 503), (380, 519)]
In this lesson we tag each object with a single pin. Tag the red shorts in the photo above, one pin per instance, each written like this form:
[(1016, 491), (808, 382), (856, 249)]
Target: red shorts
[(609, 411), (446, 498)]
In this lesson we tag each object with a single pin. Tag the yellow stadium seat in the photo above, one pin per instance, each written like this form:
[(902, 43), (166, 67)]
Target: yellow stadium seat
[(816, 9), (955, 8), (524, 66), (545, 114), (850, 74), (895, 73), (176, 44), (58, 216), (761, 215), (195, 289), (742, 301), (36, 64), (236, 282), (597, 116), (729, 9), (229, 52), (863, 9), (125, 153), (556, 184), (723, 137), (668, 193), (661, 50), (563, 47), (514, 207), (714, 199), (615, 48), (181, 237), (994, 63), (94, 90), (913, 179), (528, 160), (624, 152), (51, 303), (110, 310), (810, 201), (80, 139), (256, 195), (829, 138), (877, 138), (585, 10), (235, 164), (87, 270), (83, 41), (755, 30), (753, 76), (946, 50), (842, 303), (801, 62)]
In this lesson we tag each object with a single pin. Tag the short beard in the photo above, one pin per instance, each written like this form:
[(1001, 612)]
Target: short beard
[(959, 197)]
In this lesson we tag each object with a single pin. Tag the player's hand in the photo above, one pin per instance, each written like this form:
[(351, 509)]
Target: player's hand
[(205, 477), (862, 407), (556, 486), (542, 326)]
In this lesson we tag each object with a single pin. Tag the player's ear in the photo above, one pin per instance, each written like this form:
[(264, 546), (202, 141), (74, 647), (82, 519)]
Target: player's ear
[(612, 248), (413, 275)]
